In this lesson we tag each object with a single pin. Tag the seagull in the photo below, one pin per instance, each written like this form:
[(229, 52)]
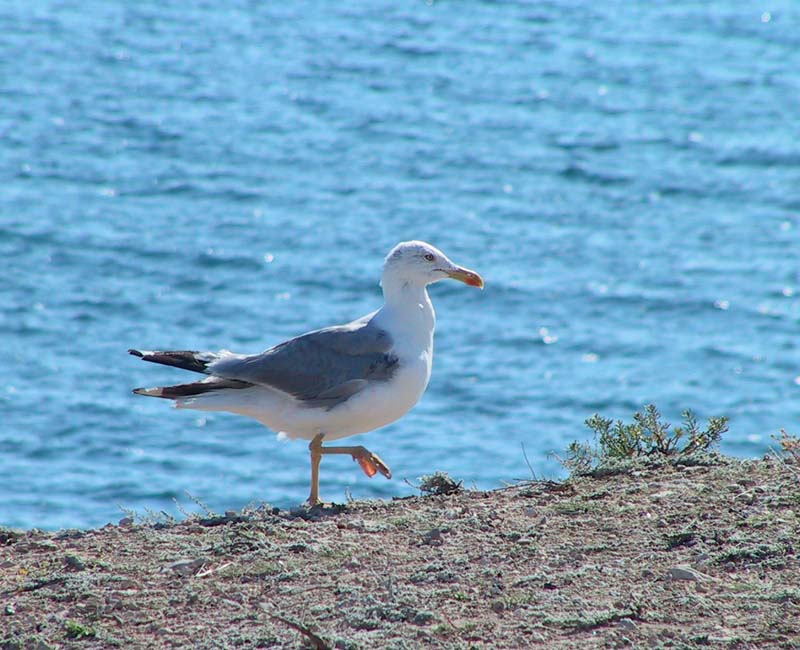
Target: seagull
[(333, 382)]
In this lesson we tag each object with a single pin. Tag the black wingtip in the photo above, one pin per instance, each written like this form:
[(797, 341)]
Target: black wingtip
[(135, 353)]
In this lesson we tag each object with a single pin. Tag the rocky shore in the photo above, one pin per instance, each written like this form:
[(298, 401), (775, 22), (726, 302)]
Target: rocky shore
[(697, 556)]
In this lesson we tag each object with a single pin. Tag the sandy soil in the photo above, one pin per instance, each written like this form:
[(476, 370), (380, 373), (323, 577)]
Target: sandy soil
[(665, 557)]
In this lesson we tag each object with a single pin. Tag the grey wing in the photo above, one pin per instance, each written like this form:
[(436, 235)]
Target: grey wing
[(321, 368)]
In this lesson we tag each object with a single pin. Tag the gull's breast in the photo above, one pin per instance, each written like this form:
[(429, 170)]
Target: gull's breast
[(379, 404), (382, 402)]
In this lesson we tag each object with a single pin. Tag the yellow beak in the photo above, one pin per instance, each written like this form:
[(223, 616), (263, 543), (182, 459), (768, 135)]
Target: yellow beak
[(466, 276)]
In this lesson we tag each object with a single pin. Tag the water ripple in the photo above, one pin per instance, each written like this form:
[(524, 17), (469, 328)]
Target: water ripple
[(214, 176)]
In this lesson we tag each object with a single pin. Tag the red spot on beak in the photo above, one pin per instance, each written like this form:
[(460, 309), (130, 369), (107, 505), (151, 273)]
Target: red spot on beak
[(467, 277), (474, 280)]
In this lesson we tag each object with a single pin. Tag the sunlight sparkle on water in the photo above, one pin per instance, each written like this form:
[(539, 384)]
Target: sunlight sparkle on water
[(547, 338)]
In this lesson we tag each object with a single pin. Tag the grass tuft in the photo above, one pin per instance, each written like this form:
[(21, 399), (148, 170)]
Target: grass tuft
[(77, 630), (438, 483), (790, 446), (647, 437)]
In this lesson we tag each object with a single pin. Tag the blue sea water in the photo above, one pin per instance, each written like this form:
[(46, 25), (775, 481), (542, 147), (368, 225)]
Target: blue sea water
[(626, 176)]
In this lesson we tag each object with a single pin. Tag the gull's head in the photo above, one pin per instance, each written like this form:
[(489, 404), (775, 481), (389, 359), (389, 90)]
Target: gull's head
[(420, 263)]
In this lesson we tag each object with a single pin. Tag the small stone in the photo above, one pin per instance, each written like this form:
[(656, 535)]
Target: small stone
[(681, 573), (372, 526), (433, 537), (627, 624), (422, 618), (187, 567), (74, 562), (702, 558)]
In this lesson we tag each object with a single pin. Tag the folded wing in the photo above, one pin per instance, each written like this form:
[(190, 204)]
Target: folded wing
[(322, 368)]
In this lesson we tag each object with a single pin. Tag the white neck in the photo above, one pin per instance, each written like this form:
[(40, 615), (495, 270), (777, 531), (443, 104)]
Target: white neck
[(410, 307)]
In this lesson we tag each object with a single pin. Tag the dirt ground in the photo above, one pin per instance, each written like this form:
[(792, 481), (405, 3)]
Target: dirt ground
[(668, 557)]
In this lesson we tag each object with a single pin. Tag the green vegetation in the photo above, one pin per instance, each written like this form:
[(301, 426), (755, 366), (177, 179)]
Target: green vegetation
[(646, 438), (76, 630)]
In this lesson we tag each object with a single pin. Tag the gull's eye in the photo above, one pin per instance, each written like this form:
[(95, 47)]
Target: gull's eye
[(430, 257)]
